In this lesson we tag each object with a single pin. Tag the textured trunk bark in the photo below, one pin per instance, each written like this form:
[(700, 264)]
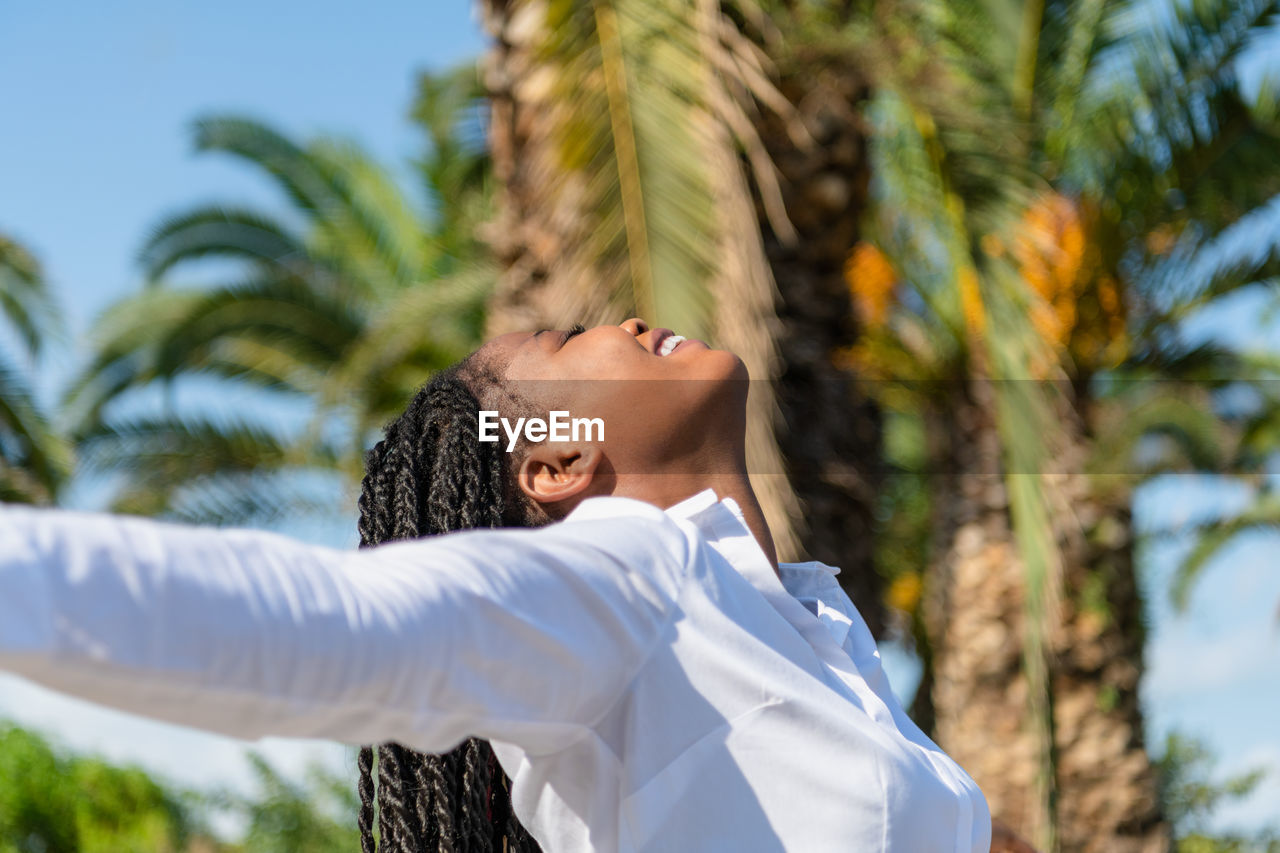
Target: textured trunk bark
[(537, 215), (1103, 784), (974, 616), (1107, 791), (830, 431)]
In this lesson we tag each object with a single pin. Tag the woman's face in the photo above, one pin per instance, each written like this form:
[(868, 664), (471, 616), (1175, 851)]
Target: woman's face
[(664, 401)]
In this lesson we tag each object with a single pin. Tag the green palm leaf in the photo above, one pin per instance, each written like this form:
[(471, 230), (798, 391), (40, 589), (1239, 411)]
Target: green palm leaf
[(1262, 515), (205, 469), (24, 300), (34, 459), (358, 217), (422, 330), (223, 232)]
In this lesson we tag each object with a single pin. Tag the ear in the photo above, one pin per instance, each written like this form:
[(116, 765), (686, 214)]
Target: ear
[(551, 473)]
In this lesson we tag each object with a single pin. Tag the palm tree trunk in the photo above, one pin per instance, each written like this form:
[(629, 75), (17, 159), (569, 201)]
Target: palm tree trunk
[(1108, 798), (829, 430), (1103, 787), (974, 616), (536, 215)]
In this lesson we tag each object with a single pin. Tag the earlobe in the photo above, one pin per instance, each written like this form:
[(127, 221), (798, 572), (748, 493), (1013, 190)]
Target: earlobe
[(551, 473)]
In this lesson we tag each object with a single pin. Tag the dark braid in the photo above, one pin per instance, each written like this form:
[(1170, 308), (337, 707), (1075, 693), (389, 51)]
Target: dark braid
[(365, 763), (429, 475)]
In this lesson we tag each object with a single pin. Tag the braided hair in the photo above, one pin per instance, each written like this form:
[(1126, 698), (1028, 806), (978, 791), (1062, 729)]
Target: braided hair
[(430, 474)]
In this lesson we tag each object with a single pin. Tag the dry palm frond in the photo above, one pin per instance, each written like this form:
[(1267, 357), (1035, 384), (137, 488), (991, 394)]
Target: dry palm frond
[(639, 90)]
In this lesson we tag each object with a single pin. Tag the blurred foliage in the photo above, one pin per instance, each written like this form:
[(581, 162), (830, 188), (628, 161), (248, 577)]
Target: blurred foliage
[(339, 308), (1190, 795), (34, 459), (53, 801), (1119, 200), (1057, 187), (285, 817)]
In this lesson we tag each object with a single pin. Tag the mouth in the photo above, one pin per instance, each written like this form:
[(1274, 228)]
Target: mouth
[(668, 344)]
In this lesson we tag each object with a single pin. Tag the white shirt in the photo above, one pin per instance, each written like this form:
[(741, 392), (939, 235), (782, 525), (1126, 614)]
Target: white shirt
[(645, 678)]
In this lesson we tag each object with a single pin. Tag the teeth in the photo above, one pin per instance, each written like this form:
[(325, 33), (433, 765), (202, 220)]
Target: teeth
[(669, 343)]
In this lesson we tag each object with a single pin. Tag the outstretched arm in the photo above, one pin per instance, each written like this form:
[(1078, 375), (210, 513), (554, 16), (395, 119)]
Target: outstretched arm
[(518, 635)]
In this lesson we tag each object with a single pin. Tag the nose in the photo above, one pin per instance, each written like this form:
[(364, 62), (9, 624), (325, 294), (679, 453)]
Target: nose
[(635, 326)]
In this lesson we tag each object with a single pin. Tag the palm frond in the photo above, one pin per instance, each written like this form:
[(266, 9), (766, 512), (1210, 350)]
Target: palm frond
[(376, 235), (451, 108), (310, 327), (126, 341), (355, 210), (223, 232), (258, 144), (631, 83), (1166, 358), (1170, 116), (34, 459), (1196, 437), (1200, 269), (201, 467), (1262, 515), (250, 499), (1075, 34), (24, 298), (422, 330), (1027, 405), (273, 333)]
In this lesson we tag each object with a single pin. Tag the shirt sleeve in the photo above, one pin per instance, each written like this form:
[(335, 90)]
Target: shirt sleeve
[(522, 636)]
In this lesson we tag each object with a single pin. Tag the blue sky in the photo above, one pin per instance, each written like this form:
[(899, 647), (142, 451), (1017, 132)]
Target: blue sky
[(95, 147)]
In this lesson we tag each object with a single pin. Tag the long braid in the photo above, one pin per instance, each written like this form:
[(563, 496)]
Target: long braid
[(395, 805), (429, 475), (475, 788), (365, 763)]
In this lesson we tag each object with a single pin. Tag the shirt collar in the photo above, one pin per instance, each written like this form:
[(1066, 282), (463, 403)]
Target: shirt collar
[(691, 506), (722, 524), (720, 520), (694, 509), (607, 506)]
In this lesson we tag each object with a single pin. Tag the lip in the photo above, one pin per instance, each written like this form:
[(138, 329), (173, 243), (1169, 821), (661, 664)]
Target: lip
[(657, 337)]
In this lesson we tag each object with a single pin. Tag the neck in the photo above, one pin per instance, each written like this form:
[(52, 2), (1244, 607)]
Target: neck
[(739, 488)]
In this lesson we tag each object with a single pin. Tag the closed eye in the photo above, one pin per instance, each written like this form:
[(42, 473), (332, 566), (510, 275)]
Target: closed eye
[(577, 329)]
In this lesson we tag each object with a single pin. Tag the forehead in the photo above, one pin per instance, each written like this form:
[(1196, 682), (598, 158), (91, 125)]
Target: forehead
[(498, 353)]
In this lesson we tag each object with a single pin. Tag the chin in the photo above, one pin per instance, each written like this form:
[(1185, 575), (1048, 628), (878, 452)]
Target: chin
[(739, 366), (721, 364), (729, 373)]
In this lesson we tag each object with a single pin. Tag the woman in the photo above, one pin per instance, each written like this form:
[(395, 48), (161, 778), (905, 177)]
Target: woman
[(647, 673)]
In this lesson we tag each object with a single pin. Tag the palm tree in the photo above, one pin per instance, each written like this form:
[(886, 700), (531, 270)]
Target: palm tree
[(830, 429), (338, 318), (34, 459), (1116, 139)]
